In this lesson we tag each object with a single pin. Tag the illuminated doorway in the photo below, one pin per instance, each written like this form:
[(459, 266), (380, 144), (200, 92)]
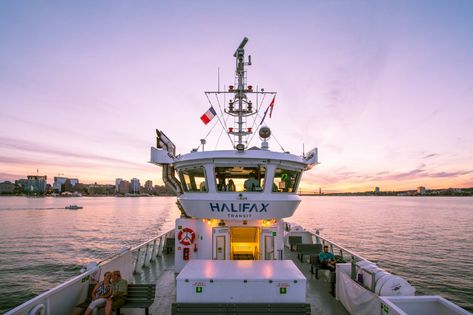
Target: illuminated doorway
[(244, 243)]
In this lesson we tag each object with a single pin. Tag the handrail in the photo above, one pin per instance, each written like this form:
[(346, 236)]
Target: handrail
[(132, 249), (47, 294), (151, 240), (333, 244), (354, 258)]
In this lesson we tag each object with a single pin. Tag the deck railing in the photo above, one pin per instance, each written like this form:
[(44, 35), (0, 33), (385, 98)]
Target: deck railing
[(147, 252), (335, 248), (44, 303), (346, 255)]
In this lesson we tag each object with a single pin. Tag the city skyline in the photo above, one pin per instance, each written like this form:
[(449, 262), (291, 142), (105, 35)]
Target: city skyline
[(384, 90)]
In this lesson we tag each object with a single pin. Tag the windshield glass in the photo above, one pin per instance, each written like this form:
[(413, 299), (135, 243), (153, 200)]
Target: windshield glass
[(285, 180), (240, 178), (193, 179)]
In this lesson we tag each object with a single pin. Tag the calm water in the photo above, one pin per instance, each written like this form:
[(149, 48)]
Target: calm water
[(426, 240)]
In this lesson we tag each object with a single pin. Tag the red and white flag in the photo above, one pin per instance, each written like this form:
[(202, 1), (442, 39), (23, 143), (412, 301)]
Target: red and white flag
[(209, 115), (271, 106)]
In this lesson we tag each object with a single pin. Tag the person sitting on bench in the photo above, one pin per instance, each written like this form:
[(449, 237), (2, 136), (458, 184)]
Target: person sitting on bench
[(327, 259), (119, 292), (101, 292)]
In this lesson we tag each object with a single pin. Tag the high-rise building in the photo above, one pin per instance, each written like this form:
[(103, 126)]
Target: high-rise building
[(135, 186), (117, 185), (62, 184), (36, 184), (149, 186), (124, 187), (58, 183), (376, 190)]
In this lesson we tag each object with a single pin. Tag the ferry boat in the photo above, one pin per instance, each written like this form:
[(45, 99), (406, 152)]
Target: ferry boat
[(73, 207), (232, 250)]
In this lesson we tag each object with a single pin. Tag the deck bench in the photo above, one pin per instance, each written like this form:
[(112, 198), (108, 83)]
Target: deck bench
[(243, 308), (139, 296), (169, 244), (293, 241), (307, 249), (316, 265)]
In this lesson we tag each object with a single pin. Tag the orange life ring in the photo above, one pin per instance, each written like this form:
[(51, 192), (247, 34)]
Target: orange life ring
[(186, 236)]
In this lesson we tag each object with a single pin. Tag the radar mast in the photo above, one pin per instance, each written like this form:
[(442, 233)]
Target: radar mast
[(240, 106)]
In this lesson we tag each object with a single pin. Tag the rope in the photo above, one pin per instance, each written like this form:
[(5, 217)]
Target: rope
[(223, 126), (272, 133), (254, 121), (208, 133)]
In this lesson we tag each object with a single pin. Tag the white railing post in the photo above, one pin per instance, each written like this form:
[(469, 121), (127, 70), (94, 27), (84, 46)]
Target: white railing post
[(146, 255), (160, 247), (137, 261), (153, 251)]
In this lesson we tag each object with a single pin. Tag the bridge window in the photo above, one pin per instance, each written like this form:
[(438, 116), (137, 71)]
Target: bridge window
[(193, 179), (285, 180), (240, 178)]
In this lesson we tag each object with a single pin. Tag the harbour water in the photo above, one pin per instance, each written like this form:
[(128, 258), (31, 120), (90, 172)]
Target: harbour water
[(427, 240)]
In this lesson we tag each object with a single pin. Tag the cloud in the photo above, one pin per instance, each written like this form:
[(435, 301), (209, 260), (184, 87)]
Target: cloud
[(341, 175), (428, 156), (34, 147)]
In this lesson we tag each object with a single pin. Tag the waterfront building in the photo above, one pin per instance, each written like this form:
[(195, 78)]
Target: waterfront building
[(117, 185), (36, 184), (62, 184), (7, 188), (135, 186), (124, 187), (421, 190), (149, 186), (22, 184), (376, 190), (96, 189)]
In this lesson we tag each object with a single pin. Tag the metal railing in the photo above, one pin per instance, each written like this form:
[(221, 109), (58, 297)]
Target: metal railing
[(41, 304), (343, 252), (143, 255), (147, 252)]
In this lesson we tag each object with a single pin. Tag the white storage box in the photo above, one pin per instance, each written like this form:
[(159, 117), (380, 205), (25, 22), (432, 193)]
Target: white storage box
[(240, 281), (419, 305)]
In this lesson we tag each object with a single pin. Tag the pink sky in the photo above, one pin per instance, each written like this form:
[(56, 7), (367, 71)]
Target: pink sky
[(383, 89)]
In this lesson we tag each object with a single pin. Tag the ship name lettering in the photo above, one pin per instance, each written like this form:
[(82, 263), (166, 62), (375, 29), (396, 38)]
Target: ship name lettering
[(242, 207)]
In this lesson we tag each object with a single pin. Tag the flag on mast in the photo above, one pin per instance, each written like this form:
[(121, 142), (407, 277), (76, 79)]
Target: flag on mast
[(271, 106), (209, 115)]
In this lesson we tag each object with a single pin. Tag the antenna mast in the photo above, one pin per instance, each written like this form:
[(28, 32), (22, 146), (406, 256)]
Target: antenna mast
[(240, 94), (240, 106)]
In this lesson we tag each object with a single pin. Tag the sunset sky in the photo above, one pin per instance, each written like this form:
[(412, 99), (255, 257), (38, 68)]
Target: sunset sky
[(384, 89)]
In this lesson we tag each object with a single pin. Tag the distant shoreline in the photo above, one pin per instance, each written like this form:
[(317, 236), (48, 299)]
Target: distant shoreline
[(357, 195)]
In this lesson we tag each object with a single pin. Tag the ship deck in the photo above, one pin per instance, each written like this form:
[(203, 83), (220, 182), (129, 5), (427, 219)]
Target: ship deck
[(161, 272)]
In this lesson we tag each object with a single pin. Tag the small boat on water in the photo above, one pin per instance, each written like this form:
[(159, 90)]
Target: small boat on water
[(73, 207), (232, 250)]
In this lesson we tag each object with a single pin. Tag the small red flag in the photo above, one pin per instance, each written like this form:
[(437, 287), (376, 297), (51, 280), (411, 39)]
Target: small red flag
[(271, 106)]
